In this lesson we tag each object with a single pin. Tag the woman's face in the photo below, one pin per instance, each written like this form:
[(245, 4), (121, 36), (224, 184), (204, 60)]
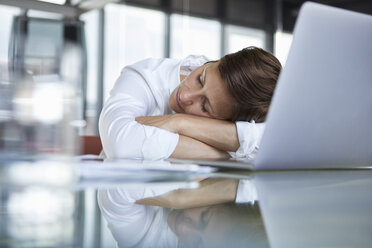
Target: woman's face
[(203, 225), (203, 93)]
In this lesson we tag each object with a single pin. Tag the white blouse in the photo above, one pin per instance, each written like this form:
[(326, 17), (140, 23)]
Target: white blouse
[(143, 89), (134, 225)]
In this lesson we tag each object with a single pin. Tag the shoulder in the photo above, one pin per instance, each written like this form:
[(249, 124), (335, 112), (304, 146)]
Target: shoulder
[(147, 71), (156, 64), (153, 64), (194, 60), (150, 75)]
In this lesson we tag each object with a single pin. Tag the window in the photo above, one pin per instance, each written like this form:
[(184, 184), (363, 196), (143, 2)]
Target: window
[(131, 34), (283, 43), (6, 18), (237, 38), (91, 36), (191, 35)]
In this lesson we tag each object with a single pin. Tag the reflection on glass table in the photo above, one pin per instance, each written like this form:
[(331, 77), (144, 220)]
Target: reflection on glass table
[(294, 209), (222, 225), (39, 206), (317, 209), (202, 217), (45, 202)]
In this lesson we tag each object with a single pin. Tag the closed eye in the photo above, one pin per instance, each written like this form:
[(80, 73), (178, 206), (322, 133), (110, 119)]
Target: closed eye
[(200, 80), (203, 106)]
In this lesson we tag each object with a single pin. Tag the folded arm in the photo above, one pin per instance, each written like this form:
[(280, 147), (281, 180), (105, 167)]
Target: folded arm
[(189, 148), (210, 138), (210, 192)]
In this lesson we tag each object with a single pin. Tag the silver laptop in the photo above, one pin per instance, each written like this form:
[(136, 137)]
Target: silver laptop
[(321, 113)]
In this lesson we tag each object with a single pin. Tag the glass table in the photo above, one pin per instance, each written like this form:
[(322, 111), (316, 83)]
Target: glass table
[(50, 204)]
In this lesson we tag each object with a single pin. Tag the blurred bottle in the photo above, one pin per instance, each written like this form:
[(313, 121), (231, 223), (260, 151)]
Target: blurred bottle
[(9, 134), (40, 118), (41, 113)]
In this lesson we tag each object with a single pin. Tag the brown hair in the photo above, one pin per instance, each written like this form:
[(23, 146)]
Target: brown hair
[(250, 75)]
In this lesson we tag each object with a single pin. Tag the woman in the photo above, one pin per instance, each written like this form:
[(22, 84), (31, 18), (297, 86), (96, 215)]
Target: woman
[(191, 108), (211, 215)]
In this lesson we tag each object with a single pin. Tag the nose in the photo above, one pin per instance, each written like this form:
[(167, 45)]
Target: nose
[(189, 96)]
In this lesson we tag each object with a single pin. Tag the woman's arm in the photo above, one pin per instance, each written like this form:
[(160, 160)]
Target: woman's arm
[(210, 192), (219, 134), (189, 148), (121, 135)]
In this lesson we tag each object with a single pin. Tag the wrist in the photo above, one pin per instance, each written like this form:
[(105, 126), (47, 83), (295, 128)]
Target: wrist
[(177, 122)]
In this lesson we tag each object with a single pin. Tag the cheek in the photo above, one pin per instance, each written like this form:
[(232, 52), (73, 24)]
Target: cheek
[(194, 110), (197, 112), (172, 102)]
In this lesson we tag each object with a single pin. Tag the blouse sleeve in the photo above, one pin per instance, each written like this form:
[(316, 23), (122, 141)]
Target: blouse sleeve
[(249, 134), (127, 221), (246, 192), (130, 223), (121, 135)]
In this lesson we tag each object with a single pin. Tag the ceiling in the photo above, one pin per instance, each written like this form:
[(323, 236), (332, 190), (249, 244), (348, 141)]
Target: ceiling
[(68, 8), (253, 13), (80, 3), (363, 6), (290, 9)]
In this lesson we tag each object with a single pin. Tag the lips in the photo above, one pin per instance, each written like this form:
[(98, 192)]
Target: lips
[(177, 222), (178, 101)]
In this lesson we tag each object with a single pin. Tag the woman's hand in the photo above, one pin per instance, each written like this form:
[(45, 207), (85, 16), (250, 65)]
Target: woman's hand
[(166, 122), (200, 137), (217, 133)]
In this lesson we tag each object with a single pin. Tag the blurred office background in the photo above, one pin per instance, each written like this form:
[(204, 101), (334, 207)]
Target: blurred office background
[(115, 33), (107, 35)]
